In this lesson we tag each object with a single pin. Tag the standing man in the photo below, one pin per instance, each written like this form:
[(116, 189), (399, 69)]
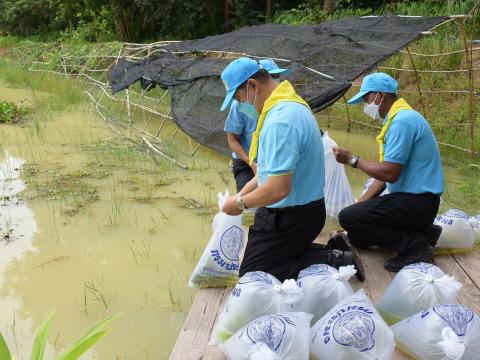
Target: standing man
[(288, 188), (239, 126), (409, 167)]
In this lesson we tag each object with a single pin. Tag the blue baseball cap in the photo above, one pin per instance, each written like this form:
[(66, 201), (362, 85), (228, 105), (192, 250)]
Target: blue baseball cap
[(378, 82), (242, 69), (272, 67)]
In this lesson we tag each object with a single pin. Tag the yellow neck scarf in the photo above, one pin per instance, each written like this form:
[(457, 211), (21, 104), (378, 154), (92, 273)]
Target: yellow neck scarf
[(398, 105), (283, 93)]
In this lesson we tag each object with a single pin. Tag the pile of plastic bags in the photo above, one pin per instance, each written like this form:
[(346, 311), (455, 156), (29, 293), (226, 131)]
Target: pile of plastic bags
[(219, 264), (265, 319)]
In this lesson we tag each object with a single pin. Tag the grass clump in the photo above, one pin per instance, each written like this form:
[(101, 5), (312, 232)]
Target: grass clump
[(10, 112)]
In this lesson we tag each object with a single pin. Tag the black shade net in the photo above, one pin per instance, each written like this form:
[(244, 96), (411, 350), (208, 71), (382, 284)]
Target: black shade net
[(324, 60)]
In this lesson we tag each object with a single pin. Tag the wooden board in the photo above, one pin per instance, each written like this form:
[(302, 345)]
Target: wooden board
[(192, 343)]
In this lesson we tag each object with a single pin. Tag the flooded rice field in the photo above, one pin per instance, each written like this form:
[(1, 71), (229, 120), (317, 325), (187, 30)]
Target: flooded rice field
[(91, 226)]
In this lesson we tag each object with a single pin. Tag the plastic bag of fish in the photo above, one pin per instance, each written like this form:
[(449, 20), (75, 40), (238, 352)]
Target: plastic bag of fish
[(352, 329), (417, 287), (219, 264), (281, 336)]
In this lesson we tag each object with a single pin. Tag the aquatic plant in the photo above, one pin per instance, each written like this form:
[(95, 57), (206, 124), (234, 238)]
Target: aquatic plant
[(10, 112), (88, 340)]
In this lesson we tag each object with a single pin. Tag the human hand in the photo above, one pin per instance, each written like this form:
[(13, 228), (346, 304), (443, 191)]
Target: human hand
[(342, 156), (230, 206)]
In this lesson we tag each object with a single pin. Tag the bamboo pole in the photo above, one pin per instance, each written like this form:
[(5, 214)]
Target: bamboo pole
[(348, 113), (417, 81), (471, 98)]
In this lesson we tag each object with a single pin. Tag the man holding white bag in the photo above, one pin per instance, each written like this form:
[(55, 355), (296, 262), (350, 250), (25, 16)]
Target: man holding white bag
[(288, 187), (410, 168)]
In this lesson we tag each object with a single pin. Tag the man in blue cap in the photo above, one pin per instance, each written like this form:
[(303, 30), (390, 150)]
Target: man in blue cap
[(409, 167), (240, 124), (288, 187)]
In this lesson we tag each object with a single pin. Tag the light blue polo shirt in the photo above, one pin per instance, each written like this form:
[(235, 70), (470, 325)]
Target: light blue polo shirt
[(290, 142), (410, 141), (239, 123)]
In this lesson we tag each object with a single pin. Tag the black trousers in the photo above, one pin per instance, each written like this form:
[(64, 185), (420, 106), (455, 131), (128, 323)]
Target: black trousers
[(397, 221), (280, 241), (242, 172)]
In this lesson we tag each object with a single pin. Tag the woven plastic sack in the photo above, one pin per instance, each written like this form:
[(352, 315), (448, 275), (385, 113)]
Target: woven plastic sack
[(256, 294), (415, 288), (281, 336), (475, 222), (443, 332), (369, 183), (458, 235), (352, 329), (338, 192), (324, 287), (218, 266)]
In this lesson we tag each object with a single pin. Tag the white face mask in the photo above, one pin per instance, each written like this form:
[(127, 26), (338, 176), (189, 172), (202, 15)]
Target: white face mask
[(372, 109)]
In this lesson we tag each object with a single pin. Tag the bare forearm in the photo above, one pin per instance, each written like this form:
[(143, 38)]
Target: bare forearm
[(250, 186), (376, 170), (270, 192)]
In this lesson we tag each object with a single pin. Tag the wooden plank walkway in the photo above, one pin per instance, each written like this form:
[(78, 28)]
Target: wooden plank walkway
[(192, 343)]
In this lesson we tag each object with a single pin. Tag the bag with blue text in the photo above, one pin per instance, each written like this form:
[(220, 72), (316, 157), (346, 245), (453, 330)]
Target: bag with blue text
[(353, 329), (458, 234), (256, 294), (442, 332), (281, 336), (417, 287), (219, 264), (323, 287), (338, 192)]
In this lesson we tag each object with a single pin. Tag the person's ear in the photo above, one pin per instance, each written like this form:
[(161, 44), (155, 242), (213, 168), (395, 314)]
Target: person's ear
[(254, 85), (381, 97)]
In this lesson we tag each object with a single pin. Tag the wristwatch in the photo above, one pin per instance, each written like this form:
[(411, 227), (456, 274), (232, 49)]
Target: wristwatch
[(240, 203), (354, 161)]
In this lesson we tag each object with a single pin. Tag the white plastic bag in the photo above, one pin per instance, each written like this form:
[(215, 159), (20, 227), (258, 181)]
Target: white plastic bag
[(415, 288), (352, 330), (281, 336), (457, 232), (441, 332), (256, 294), (218, 266), (475, 222), (338, 192), (324, 287), (369, 183)]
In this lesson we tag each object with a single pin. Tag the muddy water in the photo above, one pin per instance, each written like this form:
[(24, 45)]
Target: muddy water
[(100, 229), (96, 227)]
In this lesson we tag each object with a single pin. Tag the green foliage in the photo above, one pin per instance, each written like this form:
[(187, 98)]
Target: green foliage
[(4, 351), (10, 112), (87, 341), (41, 338)]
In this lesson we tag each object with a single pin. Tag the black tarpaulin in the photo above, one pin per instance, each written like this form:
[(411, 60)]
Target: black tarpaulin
[(324, 59)]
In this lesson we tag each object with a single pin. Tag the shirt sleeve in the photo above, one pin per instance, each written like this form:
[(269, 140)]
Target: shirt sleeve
[(281, 149), (400, 139), (234, 123)]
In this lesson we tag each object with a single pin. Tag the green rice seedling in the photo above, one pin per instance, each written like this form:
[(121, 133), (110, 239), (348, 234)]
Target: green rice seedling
[(96, 293)]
